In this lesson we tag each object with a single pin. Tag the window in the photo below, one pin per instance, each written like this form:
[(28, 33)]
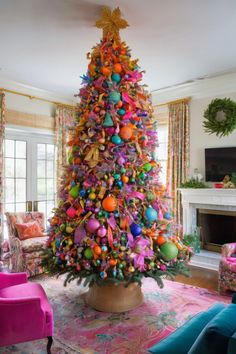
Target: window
[(29, 182)]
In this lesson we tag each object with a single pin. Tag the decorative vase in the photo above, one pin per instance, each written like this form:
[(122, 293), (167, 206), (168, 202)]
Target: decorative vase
[(112, 297)]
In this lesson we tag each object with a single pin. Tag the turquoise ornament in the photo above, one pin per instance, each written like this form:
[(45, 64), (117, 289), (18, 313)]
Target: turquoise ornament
[(116, 176), (169, 250), (114, 97), (116, 139), (121, 112), (151, 214), (108, 122), (167, 216), (115, 77), (119, 184)]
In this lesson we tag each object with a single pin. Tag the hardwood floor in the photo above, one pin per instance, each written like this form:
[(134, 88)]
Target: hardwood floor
[(204, 278)]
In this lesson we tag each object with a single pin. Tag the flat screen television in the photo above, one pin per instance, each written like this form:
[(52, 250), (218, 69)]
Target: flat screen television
[(219, 162)]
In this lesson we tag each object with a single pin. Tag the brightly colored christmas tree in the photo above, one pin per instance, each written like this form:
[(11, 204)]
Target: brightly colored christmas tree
[(112, 222)]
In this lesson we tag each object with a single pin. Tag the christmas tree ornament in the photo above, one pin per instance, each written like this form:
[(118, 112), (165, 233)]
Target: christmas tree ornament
[(115, 77), (71, 212), (147, 167), (108, 122), (116, 140), (160, 240), (151, 214), (88, 253), (126, 132), (167, 215), (117, 68), (105, 71), (169, 250), (97, 250), (109, 203), (102, 231), (135, 229), (114, 97), (92, 225), (74, 192), (121, 112)]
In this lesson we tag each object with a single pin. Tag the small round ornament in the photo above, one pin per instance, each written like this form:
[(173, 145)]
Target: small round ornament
[(92, 225), (71, 212), (117, 68), (109, 203), (105, 71), (135, 229), (119, 184), (97, 250), (69, 229), (82, 193), (88, 253), (115, 77), (74, 192), (160, 240), (147, 167), (112, 262), (167, 216), (151, 214), (103, 274), (121, 112), (104, 248), (92, 196), (114, 97), (116, 139), (102, 231), (125, 179), (169, 250), (126, 132)]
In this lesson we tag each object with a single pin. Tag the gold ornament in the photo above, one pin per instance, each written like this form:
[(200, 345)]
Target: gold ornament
[(111, 22)]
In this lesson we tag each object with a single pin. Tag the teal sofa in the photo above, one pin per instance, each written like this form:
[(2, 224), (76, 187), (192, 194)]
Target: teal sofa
[(210, 332)]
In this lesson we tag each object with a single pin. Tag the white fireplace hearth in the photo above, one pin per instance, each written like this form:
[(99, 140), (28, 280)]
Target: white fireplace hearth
[(205, 198)]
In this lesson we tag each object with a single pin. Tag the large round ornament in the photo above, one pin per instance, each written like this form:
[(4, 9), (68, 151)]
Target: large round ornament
[(114, 97), (126, 132), (169, 250), (109, 203), (151, 214), (116, 139), (135, 229), (88, 253), (92, 225), (74, 192)]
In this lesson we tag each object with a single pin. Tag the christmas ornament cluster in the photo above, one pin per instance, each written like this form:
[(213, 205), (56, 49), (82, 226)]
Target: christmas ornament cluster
[(112, 221)]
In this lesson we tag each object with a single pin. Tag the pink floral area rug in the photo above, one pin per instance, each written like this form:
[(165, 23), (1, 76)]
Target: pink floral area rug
[(80, 329)]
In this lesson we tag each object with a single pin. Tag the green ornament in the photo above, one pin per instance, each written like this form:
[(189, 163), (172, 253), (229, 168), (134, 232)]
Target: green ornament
[(100, 214), (88, 253), (123, 170), (147, 167), (169, 250), (150, 196), (108, 122), (70, 159), (62, 227), (142, 175), (114, 97), (132, 180), (152, 264), (115, 254), (120, 266), (74, 192)]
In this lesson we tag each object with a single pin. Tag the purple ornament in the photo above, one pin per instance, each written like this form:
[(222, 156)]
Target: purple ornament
[(121, 160), (92, 225), (104, 241), (102, 231)]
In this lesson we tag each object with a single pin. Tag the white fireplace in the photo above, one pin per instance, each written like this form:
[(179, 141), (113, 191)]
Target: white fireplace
[(205, 198)]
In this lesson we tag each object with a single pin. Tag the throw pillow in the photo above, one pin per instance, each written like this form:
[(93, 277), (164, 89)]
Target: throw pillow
[(215, 336), (28, 230)]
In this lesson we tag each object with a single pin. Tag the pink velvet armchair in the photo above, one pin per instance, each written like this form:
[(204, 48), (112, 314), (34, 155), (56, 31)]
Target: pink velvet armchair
[(25, 313), (26, 255), (227, 268)]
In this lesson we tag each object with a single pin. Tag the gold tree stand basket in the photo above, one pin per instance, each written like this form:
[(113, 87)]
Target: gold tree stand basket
[(114, 297)]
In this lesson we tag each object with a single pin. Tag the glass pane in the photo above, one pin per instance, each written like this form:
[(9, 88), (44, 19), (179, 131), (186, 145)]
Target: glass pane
[(41, 151), (50, 152), (50, 206), (21, 149), (9, 191), (9, 148), (162, 174), (20, 190), (9, 167), (21, 168), (42, 207), (41, 169), (162, 152), (20, 206), (50, 172), (41, 189), (9, 207), (162, 133), (50, 188)]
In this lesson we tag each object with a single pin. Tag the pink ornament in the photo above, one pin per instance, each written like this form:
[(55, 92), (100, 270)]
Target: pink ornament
[(92, 225), (110, 131), (104, 241), (71, 212), (102, 231)]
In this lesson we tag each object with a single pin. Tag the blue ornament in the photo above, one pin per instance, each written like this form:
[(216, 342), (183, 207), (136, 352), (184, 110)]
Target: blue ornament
[(108, 122), (119, 184), (82, 193), (116, 139), (114, 97), (104, 248), (151, 214), (167, 215), (121, 112), (135, 229), (115, 78)]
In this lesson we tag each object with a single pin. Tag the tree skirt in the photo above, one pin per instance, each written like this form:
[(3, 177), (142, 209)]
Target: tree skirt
[(80, 329)]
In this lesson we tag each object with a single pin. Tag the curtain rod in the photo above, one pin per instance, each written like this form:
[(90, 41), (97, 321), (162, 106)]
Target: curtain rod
[(185, 99), (37, 98)]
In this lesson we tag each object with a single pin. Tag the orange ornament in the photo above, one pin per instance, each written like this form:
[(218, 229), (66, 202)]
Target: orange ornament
[(109, 203), (119, 104), (117, 68), (125, 179), (97, 250), (126, 132), (112, 262), (160, 240), (105, 71)]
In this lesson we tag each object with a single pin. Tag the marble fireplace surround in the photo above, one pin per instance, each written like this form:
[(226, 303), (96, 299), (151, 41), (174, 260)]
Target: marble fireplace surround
[(205, 198)]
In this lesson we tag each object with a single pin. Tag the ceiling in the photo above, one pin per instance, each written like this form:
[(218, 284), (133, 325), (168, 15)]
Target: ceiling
[(44, 42)]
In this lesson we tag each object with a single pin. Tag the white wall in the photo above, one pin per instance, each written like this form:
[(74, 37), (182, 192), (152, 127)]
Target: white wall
[(202, 92)]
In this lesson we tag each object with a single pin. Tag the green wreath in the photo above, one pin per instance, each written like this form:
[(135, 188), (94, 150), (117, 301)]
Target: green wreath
[(220, 117)]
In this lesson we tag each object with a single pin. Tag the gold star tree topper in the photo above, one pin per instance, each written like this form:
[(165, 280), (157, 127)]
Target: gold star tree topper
[(111, 22)]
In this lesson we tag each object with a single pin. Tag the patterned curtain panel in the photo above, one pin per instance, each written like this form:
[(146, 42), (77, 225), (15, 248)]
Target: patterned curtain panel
[(178, 153), (64, 122), (2, 132)]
